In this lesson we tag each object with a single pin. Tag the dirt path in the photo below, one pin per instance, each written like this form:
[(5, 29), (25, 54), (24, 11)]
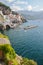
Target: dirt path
[(4, 41)]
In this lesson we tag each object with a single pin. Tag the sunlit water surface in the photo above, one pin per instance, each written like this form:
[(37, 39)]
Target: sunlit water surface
[(28, 43)]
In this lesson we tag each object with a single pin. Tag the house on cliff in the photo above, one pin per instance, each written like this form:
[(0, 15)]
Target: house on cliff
[(1, 17)]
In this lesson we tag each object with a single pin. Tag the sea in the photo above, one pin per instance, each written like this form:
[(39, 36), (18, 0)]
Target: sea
[(28, 43)]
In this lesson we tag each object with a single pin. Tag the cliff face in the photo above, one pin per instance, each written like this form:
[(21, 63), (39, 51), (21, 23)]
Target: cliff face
[(5, 9), (8, 55), (7, 15)]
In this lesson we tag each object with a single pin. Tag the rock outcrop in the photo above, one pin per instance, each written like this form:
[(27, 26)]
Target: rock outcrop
[(5, 9), (8, 55), (8, 18)]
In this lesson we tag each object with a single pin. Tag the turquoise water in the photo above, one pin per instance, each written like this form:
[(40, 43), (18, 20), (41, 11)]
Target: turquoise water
[(28, 43)]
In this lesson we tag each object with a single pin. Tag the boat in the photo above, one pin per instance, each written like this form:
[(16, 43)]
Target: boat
[(30, 27)]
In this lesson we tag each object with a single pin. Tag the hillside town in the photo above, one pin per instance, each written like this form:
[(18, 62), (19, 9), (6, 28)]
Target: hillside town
[(8, 18)]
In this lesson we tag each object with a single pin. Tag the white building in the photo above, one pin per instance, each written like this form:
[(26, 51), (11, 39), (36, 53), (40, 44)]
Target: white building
[(1, 13)]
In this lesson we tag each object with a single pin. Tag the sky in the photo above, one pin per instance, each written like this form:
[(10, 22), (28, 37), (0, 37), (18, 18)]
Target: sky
[(30, 5)]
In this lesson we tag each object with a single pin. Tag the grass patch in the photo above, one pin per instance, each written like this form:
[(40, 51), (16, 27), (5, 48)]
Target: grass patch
[(3, 36)]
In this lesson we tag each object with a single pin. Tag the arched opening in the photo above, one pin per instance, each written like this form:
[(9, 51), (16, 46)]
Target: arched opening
[(7, 27), (1, 27)]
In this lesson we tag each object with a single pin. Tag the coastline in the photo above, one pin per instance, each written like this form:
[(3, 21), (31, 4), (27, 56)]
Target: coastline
[(14, 58)]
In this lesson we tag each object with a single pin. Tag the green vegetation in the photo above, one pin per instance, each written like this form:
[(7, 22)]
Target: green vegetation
[(7, 7), (28, 62), (8, 55), (3, 36)]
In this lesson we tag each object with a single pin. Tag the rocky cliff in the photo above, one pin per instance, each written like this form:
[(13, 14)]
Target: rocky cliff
[(9, 17), (8, 55), (5, 9)]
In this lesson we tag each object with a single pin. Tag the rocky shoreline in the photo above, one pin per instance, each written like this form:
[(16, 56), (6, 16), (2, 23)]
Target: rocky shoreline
[(10, 22), (8, 55), (8, 18)]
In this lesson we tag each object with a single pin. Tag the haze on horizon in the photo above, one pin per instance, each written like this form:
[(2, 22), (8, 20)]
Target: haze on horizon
[(30, 5)]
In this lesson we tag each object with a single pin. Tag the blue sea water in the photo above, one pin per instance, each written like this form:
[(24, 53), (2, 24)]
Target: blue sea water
[(28, 43)]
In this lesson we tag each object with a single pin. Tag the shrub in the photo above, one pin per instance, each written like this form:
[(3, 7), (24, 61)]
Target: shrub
[(8, 52), (28, 62)]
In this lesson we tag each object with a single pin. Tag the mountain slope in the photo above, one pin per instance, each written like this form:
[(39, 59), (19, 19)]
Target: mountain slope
[(4, 8), (32, 15)]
